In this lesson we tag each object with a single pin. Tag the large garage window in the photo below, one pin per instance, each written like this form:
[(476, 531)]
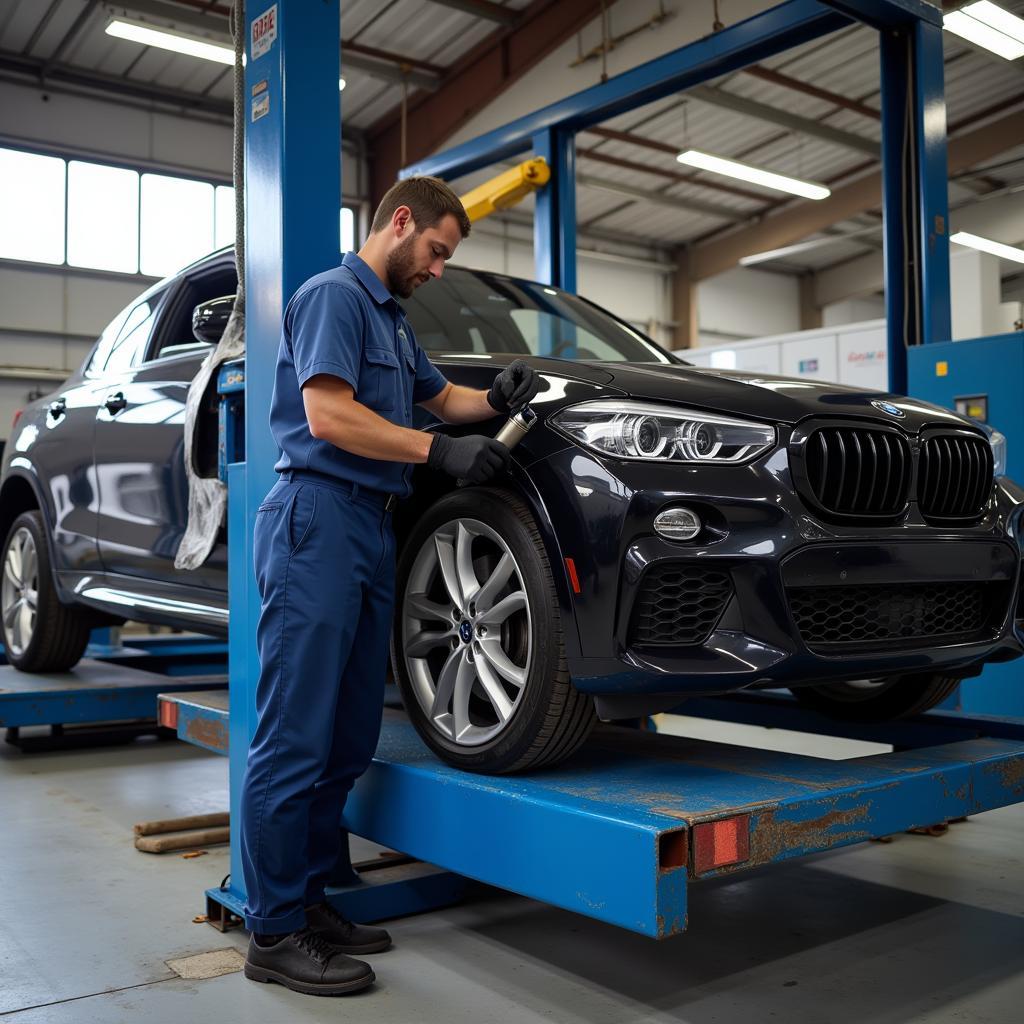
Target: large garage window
[(124, 220), (31, 207), (103, 217), (177, 224), (224, 227)]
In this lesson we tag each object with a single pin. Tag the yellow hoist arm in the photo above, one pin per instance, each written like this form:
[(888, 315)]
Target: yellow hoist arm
[(506, 189)]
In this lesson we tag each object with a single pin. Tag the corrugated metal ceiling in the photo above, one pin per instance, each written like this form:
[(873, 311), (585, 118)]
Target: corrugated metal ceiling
[(428, 32)]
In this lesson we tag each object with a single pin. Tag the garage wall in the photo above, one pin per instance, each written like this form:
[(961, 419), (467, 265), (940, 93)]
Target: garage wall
[(745, 303), (49, 316), (634, 288)]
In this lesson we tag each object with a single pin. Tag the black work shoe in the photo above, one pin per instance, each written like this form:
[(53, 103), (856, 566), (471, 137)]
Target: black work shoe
[(305, 961), (340, 932)]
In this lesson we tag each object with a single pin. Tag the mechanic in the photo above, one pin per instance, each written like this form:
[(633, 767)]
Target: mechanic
[(348, 373)]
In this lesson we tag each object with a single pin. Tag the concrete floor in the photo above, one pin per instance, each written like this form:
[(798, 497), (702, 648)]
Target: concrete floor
[(920, 929)]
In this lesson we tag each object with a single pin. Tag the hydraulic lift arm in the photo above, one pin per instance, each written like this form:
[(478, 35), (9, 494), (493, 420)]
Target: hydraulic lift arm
[(506, 189)]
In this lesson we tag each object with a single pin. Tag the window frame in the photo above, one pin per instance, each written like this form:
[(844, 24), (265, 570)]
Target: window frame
[(159, 292)]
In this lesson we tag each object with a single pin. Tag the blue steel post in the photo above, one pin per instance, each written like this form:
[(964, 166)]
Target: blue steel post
[(554, 222), (914, 192), (933, 173), (292, 195)]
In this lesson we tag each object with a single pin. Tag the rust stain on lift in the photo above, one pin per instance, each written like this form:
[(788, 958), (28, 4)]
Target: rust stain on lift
[(1011, 774), (207, 732)]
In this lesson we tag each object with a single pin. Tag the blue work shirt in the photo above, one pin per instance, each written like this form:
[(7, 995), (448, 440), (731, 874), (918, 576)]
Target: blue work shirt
[(345, 323)]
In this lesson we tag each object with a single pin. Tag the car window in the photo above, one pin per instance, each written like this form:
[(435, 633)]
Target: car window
[(175, 336), (470, 312), (122, 343)]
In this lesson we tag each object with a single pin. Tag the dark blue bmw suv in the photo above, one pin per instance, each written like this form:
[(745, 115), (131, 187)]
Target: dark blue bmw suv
[(664, 530)]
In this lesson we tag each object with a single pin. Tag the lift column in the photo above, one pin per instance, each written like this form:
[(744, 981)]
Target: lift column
[(292, 231)]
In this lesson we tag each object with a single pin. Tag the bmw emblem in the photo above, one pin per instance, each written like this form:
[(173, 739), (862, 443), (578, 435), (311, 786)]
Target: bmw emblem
[(888, 407), (465, 632)]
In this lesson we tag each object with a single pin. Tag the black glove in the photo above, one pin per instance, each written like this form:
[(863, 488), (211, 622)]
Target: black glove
[(474, 458), (514, 387)]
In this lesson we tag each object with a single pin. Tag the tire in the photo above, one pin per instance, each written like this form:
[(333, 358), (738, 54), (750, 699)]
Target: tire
[(51, 637), (878, 700), (534, 725)]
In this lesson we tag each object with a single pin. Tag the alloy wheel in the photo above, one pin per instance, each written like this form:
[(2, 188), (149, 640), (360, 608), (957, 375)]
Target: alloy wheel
[(467, 631), (19, 592)]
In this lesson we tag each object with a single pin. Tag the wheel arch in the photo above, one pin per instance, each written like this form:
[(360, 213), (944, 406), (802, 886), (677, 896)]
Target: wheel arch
[(22, 492), (429, 486)]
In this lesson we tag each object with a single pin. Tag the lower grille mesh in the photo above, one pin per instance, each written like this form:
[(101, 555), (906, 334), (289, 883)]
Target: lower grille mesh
[(904, 615), (678, 605)]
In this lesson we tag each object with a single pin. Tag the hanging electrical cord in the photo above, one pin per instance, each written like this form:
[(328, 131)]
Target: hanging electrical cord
[(237, 22), (207, 496)]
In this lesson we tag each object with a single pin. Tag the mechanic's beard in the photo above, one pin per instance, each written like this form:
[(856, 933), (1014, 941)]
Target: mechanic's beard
[(399, 267)]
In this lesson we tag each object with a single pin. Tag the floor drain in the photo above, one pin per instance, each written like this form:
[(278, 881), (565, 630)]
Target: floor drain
[(208, 965)]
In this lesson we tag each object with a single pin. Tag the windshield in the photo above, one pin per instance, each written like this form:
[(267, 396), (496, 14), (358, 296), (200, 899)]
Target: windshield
[(473, 311)]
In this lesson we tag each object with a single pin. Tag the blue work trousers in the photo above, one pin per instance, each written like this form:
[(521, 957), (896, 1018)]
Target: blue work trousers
[(325, 565)]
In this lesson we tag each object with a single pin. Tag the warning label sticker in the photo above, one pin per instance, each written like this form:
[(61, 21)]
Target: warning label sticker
[(264, 32), (261, 106)]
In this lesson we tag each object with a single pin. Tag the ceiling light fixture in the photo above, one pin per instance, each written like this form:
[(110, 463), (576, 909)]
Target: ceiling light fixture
[(989, 26), (165, 39), (1005, 252), (755, 175), (341, 84)]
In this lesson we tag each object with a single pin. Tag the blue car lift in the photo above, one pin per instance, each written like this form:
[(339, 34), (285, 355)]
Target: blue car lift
[(617, 832), (111, 694)]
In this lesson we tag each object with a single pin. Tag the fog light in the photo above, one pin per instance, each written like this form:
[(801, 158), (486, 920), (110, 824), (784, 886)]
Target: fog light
[(677, 524)]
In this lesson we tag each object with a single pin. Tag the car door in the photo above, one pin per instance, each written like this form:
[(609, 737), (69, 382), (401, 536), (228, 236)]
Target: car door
[(60, 446), (140, 465)]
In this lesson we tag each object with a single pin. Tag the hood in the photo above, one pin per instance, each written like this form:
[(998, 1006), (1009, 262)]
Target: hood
[(772, 398)]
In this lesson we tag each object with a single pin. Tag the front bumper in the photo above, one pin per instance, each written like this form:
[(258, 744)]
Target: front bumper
[(761, 535)]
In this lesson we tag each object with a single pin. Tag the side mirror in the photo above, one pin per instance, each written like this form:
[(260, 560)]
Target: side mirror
[(210, 318)]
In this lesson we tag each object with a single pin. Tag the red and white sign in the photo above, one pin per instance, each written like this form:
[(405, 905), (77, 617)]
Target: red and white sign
[(264, 32)]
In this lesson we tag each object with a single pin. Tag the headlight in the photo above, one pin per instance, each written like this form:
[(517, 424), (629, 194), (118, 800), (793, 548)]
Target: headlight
[(638, 430), (998, 443)]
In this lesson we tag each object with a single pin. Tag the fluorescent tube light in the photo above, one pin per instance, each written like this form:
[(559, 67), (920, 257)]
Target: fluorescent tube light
[(734, 169), (978, 32), (166, 40), (1005, 252), (341, 84), (995, 17)]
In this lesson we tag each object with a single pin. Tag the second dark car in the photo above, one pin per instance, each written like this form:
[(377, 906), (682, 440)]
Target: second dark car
[(664, 531)]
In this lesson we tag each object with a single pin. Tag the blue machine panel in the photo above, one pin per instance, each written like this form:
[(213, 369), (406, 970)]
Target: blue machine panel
[(986, 376)]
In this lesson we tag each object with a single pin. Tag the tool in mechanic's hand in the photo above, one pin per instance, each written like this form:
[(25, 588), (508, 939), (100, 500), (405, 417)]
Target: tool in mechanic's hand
[(515, 429)]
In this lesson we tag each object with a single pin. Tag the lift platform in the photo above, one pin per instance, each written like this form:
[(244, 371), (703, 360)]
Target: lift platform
[(620, 831), (111, 694)]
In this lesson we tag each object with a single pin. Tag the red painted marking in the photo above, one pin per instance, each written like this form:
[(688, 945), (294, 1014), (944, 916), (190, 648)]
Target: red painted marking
[(573, 578), (168, 714), (719, 843)]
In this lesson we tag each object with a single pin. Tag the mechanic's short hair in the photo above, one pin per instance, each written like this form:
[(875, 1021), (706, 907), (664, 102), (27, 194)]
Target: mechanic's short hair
[(429, 200)]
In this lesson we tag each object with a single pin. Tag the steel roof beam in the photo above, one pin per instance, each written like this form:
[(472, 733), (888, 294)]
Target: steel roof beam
[(37, 69), (72, 33), (788, 82), (482, 9), (714, 256), (760, 36), (388, 72), (662, 198), (794, 122)]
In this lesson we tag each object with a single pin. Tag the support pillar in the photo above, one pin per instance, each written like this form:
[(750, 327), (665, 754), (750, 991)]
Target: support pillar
[(914, 191), (554, 224), (292, 185), (810, 311), (685, 333)]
